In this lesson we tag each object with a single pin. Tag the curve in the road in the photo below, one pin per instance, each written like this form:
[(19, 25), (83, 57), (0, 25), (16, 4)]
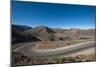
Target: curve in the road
[(68, 50)]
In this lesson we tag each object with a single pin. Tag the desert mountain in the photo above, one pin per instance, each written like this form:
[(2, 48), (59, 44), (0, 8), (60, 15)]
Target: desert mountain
[(43, 33), (17, 37), (20, 28)]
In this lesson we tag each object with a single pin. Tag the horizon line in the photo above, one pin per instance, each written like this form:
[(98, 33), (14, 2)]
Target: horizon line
[(57, 27)]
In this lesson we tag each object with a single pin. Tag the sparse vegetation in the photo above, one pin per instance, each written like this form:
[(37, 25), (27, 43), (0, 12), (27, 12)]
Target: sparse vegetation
[(48, 38), (56, 44), (19, 59)]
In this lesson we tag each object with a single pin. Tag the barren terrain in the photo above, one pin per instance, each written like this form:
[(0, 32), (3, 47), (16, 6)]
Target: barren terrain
[(43, 45)]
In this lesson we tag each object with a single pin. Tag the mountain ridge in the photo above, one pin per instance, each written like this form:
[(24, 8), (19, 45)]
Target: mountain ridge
[(44, 33)]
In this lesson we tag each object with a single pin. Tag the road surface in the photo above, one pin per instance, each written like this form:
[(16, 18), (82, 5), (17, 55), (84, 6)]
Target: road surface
[(72, 50)]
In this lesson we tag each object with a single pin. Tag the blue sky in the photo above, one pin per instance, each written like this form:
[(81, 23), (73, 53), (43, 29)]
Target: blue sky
[(53, 15)]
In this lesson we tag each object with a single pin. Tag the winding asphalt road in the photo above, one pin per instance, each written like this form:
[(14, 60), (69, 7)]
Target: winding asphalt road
[(72, 50)]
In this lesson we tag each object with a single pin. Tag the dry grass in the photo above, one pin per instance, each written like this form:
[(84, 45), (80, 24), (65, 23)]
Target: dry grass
[(56, 44), (23, 60)]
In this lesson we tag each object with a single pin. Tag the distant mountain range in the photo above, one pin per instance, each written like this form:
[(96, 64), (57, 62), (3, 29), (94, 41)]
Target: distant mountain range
[(22, 33), (21, 27)]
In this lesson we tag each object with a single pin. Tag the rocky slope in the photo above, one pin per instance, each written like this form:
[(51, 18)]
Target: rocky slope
[(43, 33)]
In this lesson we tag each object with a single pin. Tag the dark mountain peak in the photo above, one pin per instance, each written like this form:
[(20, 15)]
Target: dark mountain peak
[(20, 27), (43, 28)]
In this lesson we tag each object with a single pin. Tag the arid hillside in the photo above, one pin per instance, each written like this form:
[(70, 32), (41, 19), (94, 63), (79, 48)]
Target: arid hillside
[(26, 40), (43, 33)]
